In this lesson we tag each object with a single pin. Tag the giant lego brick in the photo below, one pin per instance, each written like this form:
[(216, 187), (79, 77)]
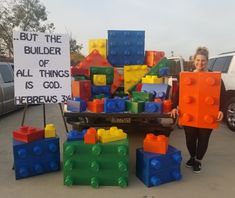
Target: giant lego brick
[(156, 169), (50, 131), (100, 45), (113, 105), (75, 135), (152, 107), (199, 99), (142, 96), (133, 74), (153, 57), (97, 105), (28, 134), (93, 59), (97, 90), (135, 107), (167, 106), (158, 90), (96, 164), (82, 89), (107, 71), (126, 47), (148, 79), (113, 134), (155, 143), (35, 158), (75, 71)]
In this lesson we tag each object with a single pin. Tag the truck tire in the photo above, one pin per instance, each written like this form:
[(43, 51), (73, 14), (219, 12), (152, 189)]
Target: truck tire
[(230, 114)]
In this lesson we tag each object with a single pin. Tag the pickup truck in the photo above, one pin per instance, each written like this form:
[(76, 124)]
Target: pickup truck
[(6, 88), (225, 63)]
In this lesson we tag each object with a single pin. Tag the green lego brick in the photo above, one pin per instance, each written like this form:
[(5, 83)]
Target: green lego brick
[(108, 71), (135, 107), (142, 96), (96, 164), (155, 70)]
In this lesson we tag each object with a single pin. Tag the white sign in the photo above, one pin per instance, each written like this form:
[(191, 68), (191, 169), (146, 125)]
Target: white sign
[(41, 68)]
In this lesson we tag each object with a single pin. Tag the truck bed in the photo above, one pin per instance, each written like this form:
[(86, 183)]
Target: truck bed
[(151, 122)]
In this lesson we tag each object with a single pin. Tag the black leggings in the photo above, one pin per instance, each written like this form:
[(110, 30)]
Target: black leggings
[(197, 140)]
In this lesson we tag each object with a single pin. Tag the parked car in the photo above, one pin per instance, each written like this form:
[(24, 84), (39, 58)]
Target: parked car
[(7, 88), (225, 63)]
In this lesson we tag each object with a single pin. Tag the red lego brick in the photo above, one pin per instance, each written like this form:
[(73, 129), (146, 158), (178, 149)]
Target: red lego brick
[(97, 105), (76, 71), (82, 89), (117, 81), (156, 144), (28, 134), (199, 99), (93, 59), (91, 136)]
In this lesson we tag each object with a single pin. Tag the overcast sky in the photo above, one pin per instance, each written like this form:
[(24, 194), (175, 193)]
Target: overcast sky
[(170, 25)]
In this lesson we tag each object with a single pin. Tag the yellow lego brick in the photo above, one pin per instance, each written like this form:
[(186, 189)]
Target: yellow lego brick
[(100, 45), (49, 131), (152, 80), (113, 134), (133, 74), (99, 80)]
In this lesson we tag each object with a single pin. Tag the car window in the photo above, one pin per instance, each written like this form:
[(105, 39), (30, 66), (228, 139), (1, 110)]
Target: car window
[(220, 64), (6, 73)]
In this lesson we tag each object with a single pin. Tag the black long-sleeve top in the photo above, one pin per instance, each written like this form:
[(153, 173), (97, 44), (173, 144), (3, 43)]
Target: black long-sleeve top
[(222, 96)]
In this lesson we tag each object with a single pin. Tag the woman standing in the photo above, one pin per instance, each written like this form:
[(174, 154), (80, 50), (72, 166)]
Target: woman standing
[(197, 139)]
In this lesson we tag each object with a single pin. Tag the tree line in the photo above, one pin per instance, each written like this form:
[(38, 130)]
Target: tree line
[(25, 15)]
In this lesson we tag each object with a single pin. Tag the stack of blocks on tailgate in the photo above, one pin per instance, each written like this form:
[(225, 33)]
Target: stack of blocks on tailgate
[(157, 163), (100, 160), (125, 48), (34, 154), (199, 103)]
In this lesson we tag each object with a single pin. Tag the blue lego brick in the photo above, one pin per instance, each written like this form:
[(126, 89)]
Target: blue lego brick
[(114, 105), (83, 104), (158, 90), (155, 169), (73, 106), (153, 107), (74, 135), (164, 71), (126, 47), (35, 158), (168, 175), (97, 90)]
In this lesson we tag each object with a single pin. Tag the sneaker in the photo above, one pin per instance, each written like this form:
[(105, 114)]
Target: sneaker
[(197, 167), (190, 162)]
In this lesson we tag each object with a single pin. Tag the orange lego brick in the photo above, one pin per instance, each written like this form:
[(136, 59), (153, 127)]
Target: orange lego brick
[(93, 59), (199, 99), (97, 105), (91, 136), (82, 89), (153, 57), (167, 106), (156, 143)]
